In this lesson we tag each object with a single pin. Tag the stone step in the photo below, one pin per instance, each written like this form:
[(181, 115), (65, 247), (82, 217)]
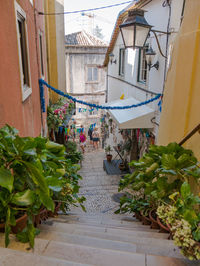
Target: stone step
[(136, 245), (101, 221), (74, 228), (9, 257), (49, 252)]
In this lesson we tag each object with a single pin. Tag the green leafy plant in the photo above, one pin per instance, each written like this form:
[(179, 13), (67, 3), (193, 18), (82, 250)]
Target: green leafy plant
[(162, 176), (108, 149), (32, 171), (72, 153)]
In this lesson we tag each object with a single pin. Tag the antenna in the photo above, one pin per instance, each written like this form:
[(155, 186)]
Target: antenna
[(90, 21)]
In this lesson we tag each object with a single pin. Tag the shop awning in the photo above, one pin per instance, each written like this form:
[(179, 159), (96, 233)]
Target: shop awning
[(139, 117)]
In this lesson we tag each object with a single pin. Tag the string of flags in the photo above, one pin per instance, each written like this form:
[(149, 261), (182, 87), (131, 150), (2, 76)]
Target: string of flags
[(83, 110)]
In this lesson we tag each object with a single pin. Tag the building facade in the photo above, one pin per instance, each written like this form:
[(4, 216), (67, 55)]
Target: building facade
[(180, 114), (23, 62), (55, 38), (132, 75), (85, 77)]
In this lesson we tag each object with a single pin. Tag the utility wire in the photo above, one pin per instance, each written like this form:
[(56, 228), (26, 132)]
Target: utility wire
[(84, 10)]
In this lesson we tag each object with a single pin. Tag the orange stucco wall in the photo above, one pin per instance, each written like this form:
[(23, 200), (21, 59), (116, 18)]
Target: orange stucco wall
[(181, 107), (25, 116)]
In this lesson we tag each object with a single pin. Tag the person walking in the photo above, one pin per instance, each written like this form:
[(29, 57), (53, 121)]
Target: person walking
[(90, 134), (82, 139), (95, 137)]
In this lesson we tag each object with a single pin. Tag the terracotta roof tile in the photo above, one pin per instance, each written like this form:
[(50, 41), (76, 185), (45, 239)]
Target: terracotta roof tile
[(83, 38)]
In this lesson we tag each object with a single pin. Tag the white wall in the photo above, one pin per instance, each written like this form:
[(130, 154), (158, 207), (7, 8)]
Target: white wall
[(60, 43), (157, 16)]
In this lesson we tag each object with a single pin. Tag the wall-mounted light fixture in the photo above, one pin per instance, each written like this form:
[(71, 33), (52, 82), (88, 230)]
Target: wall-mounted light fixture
[(150, 53), (111, 57), (135, 30)]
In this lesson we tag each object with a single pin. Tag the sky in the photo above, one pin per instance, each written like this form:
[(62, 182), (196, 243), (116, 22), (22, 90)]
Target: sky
[(105, 19)]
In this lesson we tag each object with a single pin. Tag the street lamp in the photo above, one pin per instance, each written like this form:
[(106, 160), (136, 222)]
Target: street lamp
[(150, 53), (135, 29), (111, 57)]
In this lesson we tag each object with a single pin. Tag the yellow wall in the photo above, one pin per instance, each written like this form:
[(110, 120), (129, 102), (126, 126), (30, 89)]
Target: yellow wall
[(51, 48), (181, 106)]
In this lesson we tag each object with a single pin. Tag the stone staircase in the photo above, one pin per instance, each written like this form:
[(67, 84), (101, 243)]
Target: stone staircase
[(82, 239), (97, 237)]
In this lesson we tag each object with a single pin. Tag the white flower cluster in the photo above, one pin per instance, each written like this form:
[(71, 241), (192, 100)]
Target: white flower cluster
[(181, 231)]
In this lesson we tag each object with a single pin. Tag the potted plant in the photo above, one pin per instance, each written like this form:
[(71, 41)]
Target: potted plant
[(108, 153), (163, 176), (32, 171)]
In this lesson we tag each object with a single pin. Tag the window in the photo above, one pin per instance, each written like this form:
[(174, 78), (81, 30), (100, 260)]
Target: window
[(23, 51), (142, 66), (41, 55), (121, 61), (92, 74)]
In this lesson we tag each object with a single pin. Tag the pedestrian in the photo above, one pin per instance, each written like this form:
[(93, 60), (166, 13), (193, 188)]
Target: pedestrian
[(82, 129), (95, 137), (82, 139), (90, 134), (72, 133), (67, 132)]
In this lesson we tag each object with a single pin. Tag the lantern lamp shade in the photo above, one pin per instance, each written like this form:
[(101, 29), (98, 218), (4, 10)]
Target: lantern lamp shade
[(150, 54), (135, 29)]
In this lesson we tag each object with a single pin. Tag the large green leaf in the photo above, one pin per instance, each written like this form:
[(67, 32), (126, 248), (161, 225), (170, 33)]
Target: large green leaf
[(185, 190), (37, 176), (186, 160), (54, 183), (168, 161), (6, 179), (31, 152), (196, 234), (24, 198), (190, 216), (7, 228), (46, 200)]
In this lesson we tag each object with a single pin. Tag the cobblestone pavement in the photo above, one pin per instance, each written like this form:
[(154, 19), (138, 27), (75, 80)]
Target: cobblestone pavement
[(97, 186)]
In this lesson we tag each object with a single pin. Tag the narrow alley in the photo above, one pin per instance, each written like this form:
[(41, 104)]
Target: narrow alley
[(98, 187)]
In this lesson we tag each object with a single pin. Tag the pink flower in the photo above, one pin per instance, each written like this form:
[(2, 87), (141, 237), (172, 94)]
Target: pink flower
[(56, 111), (66, 105), (61, 116)]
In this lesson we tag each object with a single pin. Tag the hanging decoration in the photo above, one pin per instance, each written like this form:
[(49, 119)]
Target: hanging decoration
[(122, 96), (42, 82)]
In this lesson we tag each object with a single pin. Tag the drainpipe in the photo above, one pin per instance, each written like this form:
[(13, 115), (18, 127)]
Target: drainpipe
[(106, 100), (167, 3)]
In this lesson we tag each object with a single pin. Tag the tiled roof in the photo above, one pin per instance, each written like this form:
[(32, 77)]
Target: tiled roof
[(83, 38), (122, 15)]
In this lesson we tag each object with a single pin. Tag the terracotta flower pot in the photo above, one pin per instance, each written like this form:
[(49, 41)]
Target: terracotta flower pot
[(57, 208), (41, 216), (2, 228), (20, 224), (138, 216), (154, 223), (163, 228), (145, 219)]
